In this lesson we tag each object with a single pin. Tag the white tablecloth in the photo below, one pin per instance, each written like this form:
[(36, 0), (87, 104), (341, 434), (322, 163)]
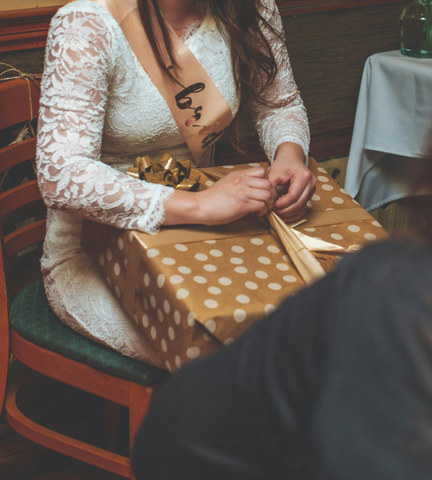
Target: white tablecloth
[(392, 130)]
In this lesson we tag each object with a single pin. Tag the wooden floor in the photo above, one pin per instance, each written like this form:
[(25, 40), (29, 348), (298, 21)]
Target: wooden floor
[(66, 410)]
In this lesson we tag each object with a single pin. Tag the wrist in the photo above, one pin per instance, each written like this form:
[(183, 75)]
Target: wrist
[(289, 152), (182, 208)]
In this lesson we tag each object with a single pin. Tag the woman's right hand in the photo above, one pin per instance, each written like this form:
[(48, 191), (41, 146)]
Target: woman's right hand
[(229, 199)]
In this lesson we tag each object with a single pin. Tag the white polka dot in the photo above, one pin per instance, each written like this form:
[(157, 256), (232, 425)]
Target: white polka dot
[(214, 290), (191, 319), (283, 267), (322, 170), (216, 253), (237, 249), (168, 365), (185, 270), (343, 191), (109, 254), (228, 166), (210, 242), (257, 241), (315, 197), (236, 260), (135, 317), (242, 299), (145, 321), (177, 317), (117, 269), (171, 333), (168, 261), (228, 341), (199, 279), (177, 361), (176, 279), (131, 236), (337, 200), (207, 337), (318, 238), (120, 243), (274, 286), (370, 236), (108, 281), (160, 315), (210, 268), (336, 236), (153, 301), (117, 291), (145, 303), (251, 285), (164, 345), (161, 280), (329, 209), (210, 303), (273, 249), (166, 306), (101, 259), (225, 281), (146, 279), (261, 274), (182, 293), (311, 229), (240, 315), (268, 309), (328, 188), (322, 179), (125, 262), (180, 247), (209, 183), (354, 228), (376, 224), (152, 252), (290, 279), (201, 257), (193, 352), (241, 270), (254, 164), (285, 257), (357, 203), (211, 326), (153, 332), (264, 260)]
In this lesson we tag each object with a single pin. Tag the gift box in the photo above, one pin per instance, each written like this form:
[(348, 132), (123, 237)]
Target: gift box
[(193, 289)]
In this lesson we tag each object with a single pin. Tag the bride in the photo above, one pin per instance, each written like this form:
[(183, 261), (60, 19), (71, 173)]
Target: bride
[(100, 109)]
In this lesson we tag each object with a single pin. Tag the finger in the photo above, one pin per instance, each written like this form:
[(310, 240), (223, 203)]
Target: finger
[(263, 184), (299, 192), (258, 172), (258, 207), (294, 217), (262, 196), (295, 208)]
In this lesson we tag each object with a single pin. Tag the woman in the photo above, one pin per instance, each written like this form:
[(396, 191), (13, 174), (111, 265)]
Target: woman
[(99, 110)]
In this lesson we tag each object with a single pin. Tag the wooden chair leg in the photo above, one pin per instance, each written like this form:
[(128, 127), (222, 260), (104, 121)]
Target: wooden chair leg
[(140, 398)]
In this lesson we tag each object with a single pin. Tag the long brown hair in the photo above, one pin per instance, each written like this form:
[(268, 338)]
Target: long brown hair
[(252, 59)]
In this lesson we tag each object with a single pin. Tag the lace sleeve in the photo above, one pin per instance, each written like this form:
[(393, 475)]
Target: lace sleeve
[(288, 123), (79, 62)]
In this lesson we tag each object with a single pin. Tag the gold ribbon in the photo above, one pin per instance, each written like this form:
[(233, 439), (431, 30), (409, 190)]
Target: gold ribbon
[(169, 172)]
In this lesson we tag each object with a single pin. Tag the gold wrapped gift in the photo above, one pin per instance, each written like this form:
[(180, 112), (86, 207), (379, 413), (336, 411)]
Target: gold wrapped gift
[(193, 289)]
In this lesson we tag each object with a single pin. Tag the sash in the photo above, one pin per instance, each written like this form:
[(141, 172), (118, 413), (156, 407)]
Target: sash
[(199, 109)]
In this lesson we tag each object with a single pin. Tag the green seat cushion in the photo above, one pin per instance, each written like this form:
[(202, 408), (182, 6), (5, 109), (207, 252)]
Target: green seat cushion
[(32, 318)]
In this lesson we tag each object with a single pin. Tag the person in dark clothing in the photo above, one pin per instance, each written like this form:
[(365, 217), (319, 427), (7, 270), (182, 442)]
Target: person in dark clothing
[(335, 384)]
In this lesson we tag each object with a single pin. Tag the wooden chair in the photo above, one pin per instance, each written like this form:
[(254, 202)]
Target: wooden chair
[(37, 338)]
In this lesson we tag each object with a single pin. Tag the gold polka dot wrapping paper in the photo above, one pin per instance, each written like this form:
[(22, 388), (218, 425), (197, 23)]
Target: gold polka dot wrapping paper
[(193, 289)]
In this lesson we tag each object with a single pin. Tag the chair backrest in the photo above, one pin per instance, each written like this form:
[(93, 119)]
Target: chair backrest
[(22, 213)]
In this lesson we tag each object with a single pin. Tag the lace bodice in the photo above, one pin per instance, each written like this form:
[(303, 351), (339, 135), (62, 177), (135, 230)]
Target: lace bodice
[(99, 109)]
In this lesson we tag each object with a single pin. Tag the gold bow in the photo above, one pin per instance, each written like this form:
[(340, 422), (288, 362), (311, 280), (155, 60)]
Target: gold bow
[(169, 172)]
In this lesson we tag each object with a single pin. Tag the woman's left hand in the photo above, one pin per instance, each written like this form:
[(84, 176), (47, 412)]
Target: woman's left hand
[(289, 170)]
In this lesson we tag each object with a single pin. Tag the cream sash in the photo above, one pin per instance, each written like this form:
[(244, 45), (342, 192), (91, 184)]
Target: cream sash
[(199, 109)]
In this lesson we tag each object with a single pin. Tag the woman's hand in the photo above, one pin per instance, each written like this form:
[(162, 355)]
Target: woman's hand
[(229, 199), (289, 170)]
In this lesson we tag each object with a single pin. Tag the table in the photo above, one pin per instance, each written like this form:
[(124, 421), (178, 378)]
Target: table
[(392, 130)]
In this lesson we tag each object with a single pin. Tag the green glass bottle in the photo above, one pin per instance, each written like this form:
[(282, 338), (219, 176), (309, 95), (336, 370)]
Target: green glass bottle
[(416, 29)]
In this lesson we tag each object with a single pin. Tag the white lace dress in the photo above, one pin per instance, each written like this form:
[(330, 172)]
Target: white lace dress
[(99, 110)]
